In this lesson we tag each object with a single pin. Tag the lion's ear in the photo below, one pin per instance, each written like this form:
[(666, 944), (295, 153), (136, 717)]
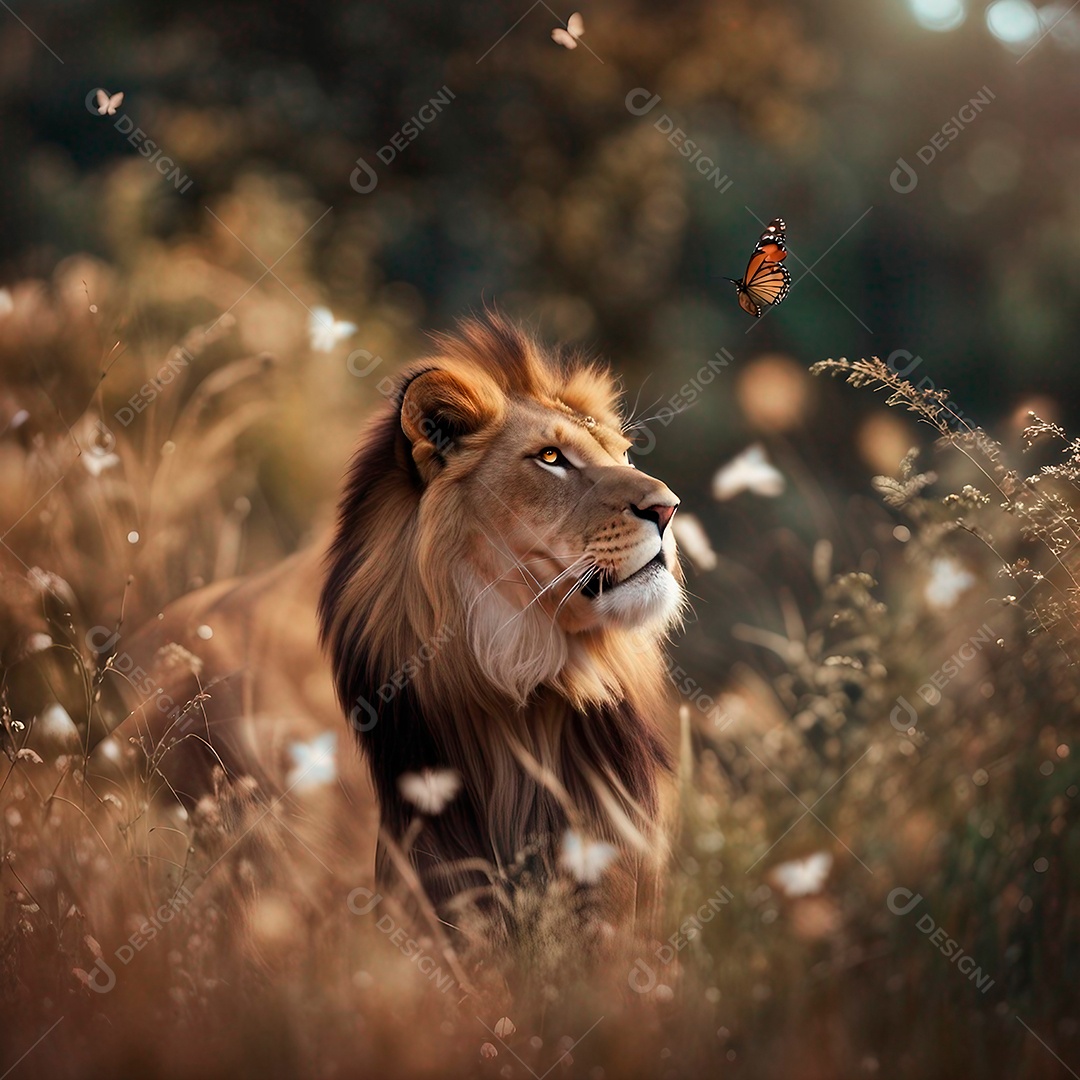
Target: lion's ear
[(437, 410)]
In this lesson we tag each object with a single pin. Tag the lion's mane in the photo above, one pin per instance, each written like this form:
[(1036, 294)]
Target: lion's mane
[(571, 740)]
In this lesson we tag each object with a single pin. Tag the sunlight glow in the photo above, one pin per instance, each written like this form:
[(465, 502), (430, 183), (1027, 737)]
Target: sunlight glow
[(1062, 23), (938, 15), (1015, 22)]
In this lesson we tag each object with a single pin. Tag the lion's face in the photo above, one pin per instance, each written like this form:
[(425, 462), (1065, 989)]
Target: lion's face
[(555, 533), (566, 524)]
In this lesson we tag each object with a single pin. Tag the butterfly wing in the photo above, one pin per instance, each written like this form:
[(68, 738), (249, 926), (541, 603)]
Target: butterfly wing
[(773, 240), (414, 787), (322, 331), (749, 471), (325, 744), (767, 284), (755, 264), (766, 281), (748, 305), (597, 856), (102, 99), (343, 329), (561, 37), (115, 101), (576, 24), (803, 877)]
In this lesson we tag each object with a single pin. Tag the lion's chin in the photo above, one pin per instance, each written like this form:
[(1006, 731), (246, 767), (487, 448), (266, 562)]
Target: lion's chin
[(649, 596)]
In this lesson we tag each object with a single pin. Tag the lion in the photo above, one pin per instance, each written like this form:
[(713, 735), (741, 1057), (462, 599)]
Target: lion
[(494, 605)]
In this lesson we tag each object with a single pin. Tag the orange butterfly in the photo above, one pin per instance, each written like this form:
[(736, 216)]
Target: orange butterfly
[(766, 281)]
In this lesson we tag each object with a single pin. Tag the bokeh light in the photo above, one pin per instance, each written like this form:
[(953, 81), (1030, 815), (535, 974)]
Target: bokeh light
[(772, 393), (1015, 22), (842, 557), (1062, 23), (882, 440), (996, 164), (940, 15)]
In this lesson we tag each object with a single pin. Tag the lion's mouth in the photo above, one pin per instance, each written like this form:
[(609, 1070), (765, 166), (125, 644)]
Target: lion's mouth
[(599, 583)]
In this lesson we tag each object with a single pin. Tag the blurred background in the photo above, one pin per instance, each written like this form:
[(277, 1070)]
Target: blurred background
[(322, 186), (537, 189), (203, 283)]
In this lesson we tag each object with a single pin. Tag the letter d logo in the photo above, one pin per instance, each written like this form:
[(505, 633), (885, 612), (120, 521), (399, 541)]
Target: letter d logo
[(642, 978), (363, 901), (101, 639), (898, 354), (902, 900), (94, 981), (359, 710), (634, 98), (903, 717), (372, 362), (365, 170), (904, 178)]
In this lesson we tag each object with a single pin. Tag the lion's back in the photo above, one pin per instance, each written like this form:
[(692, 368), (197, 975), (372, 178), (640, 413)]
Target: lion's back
[(231, 677)]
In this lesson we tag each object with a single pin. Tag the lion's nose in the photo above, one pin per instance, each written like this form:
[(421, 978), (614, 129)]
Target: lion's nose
[(659, 513)]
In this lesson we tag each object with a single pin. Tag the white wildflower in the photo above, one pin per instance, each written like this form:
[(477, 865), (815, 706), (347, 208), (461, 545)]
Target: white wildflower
[(692, 539), (585, 859), (802, 877), (430, 790), (948, 579), (315, 762), (324, 331), (749, 471)]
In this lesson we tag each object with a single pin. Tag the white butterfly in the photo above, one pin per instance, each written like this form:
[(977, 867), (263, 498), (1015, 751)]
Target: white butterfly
[(55, 725), (692, 539), (948, 579), (315, 762), (430, 790), (749, 471), (574, 29), (325, 331), (97, 459), (7, 304), (585, 859), (107, 104), (505, 1027), (802, 877)]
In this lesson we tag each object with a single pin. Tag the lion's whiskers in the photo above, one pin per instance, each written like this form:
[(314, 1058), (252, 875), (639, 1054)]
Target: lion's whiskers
[(581, 582), (502, 549), (578, 565), (519, 565)]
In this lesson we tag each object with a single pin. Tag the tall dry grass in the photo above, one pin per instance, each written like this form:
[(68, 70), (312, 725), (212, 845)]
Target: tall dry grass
[(237, 951)]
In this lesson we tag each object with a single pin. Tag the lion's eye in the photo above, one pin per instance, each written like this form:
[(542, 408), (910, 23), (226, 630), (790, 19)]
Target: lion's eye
[(552, 455)]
